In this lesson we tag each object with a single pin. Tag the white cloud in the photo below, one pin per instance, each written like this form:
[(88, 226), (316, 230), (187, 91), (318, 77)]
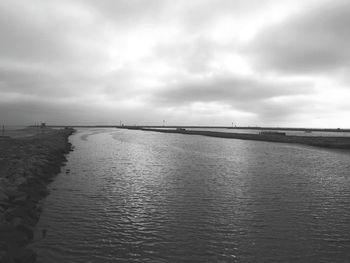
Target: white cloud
[(202, 62)]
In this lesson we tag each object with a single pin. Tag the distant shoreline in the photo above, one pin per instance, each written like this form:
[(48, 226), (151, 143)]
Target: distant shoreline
[(206, 127), (319, 141)]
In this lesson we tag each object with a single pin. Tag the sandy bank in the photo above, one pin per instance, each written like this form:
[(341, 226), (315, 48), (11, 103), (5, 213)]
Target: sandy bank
[(320, 141), (27, 165)]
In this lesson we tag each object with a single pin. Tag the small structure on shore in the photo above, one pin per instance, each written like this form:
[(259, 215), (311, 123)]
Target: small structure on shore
[(180, 129)]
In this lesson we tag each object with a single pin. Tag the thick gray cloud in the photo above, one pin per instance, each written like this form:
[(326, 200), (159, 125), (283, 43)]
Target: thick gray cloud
[(127, 11), (228, 89), (190, 14), (30, 111), (316, 40), (245, 94), (31, 81)]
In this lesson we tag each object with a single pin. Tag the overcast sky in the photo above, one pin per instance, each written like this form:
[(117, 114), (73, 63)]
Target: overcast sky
[(200, 62)]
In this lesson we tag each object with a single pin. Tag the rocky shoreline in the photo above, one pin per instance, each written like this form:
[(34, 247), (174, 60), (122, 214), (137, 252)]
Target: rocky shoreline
[(27, 165)]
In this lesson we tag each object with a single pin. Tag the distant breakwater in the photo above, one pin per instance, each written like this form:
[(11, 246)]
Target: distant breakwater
[(319, 141), (27, 165)]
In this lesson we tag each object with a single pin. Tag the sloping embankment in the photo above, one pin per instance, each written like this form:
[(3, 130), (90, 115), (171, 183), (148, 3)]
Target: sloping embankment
[(320, 141), (27, 165)]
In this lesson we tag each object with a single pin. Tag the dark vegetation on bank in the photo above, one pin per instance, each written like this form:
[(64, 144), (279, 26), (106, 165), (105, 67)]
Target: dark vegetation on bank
[(320, 141), (27, 165), (207, 127)]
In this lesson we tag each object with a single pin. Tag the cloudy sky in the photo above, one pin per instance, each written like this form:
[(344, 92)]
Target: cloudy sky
[(200, 62)]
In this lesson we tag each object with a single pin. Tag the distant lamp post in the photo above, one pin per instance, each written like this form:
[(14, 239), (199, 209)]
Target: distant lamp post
[(3, 130), (163, 123)]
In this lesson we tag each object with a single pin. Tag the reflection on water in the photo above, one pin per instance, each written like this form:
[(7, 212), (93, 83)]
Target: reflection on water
[(134, 196)]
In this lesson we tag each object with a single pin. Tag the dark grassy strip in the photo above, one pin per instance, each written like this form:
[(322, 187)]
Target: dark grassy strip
[(206, 127), (320, 141), (27, 165)]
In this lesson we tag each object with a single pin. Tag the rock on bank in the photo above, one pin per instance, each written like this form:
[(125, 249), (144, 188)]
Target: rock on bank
[(27, 165)]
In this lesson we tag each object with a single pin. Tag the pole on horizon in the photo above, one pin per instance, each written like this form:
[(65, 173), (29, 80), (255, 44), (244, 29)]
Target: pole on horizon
[(3, 130), (163, 123)]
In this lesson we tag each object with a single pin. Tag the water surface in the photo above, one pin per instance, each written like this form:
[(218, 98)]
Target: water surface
[(135, 196)]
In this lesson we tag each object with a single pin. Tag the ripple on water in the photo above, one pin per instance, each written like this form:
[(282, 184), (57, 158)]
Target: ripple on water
[(133, 196)]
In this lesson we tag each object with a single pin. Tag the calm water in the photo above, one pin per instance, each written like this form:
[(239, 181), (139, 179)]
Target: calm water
[(134, 196)]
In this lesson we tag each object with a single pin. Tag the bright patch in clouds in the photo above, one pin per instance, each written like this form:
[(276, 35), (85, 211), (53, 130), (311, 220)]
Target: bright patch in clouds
[(200, 62)]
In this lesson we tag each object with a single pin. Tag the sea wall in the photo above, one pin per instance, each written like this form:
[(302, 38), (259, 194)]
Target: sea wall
[(27, 165), (320, 141)]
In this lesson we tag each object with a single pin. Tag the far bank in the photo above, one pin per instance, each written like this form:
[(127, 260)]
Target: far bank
[(319, 141)]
